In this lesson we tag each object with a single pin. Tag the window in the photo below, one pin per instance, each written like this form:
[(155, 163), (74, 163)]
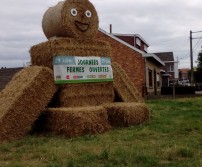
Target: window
[(145, 48), (137, 46), (150, 78), (138, 41), (171, 68)]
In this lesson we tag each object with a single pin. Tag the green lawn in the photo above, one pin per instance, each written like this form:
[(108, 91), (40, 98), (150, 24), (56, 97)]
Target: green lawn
[(172, 138)]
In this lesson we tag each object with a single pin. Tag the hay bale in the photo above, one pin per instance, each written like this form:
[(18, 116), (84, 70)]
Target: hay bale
[(72, 122), (86, 94), (126, 114), (23, 99), (43, 53), (125, 90), (71, 18)]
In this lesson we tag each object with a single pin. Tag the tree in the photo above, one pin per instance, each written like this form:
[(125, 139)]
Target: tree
[(199, 61), (198, 73)]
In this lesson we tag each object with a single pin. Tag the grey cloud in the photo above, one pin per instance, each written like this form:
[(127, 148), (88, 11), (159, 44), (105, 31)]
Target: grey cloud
[(154, 20)]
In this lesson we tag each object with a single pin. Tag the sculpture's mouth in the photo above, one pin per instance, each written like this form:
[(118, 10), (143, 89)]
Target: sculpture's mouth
[(81, 26)]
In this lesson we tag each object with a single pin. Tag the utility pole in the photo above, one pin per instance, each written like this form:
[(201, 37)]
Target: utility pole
[(191, 58)]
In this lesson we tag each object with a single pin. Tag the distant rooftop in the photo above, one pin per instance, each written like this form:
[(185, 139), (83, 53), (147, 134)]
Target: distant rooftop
[(165, 56), (184, 70)]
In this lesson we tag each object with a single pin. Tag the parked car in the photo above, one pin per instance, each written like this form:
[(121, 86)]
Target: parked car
[(184, 82)]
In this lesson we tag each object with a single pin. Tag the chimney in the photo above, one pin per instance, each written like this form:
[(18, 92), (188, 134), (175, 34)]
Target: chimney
[(110, 28)]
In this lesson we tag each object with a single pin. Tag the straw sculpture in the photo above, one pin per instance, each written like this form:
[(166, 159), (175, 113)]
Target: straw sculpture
[(23, 100), (126, 114), (69, 19), (125, 90), (32, 99), (74, 102), (72, 122)]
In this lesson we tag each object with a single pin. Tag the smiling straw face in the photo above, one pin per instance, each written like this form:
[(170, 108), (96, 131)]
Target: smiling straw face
[(80, 17), (71, 18)]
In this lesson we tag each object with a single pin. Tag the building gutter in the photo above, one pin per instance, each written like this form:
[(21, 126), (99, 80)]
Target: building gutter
[(170, 61)]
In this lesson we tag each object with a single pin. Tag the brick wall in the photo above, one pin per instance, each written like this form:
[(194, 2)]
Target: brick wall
[(130, 60)]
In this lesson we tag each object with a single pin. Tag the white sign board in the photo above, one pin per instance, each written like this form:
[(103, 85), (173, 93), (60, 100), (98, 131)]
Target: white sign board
[(73, 69)]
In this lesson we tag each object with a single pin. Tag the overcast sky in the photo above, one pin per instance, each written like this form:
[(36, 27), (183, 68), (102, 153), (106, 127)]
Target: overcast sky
[(164, 24)]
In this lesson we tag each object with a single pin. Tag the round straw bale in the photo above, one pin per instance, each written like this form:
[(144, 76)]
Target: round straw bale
[(72, 122), (71, 18), (23, 100), (126, 114)]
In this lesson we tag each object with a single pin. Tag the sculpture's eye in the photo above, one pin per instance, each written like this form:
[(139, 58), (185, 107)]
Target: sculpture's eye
[(88, 13), (73, 12)]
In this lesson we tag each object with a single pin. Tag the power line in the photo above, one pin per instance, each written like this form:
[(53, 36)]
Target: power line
[(197, 38), (195, 48), (187, 55), (197, 44), (196, 31)]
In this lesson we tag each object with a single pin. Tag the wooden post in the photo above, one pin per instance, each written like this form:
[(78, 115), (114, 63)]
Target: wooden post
[(173, 88)]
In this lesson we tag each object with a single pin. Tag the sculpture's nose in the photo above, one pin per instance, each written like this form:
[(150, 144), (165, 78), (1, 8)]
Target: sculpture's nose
[(82, 14)]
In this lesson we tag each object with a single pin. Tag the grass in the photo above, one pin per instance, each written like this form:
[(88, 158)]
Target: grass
[(172, 138)]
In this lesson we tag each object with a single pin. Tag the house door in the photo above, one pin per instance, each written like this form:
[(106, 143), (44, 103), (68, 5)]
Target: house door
[(155, 83)]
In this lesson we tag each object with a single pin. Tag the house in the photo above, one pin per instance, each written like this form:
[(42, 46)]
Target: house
[(143, 69), (184, 74), (153, 66), (6, 75), (169, 72)]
